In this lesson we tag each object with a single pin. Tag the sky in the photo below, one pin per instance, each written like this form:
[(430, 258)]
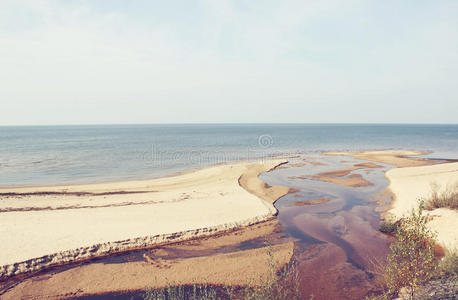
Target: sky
[(217, 61)]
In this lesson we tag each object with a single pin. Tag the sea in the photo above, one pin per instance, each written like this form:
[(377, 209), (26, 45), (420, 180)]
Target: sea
[(50, 155)]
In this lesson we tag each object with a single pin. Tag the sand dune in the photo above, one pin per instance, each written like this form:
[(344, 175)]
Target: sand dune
[(409, 185), (42, 226)]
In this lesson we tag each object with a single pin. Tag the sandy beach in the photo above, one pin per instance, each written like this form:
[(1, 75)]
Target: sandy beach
[(43, 226), (201, 241), (411, 184)]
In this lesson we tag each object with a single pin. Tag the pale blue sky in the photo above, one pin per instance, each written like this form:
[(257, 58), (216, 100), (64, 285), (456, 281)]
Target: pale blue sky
[(80, 62)]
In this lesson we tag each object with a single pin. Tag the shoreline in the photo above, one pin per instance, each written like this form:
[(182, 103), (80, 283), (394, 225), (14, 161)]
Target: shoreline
[(188, 170), (238, 181)]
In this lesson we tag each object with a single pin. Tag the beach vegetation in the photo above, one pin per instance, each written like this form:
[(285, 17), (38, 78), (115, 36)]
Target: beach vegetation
[(446, 198), (388, 225), (277, 285), (412, 261)]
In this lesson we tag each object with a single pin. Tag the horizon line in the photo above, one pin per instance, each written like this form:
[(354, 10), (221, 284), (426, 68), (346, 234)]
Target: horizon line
[(224, 123)]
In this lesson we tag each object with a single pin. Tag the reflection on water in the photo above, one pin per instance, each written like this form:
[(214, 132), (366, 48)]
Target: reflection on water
[(337, 241)]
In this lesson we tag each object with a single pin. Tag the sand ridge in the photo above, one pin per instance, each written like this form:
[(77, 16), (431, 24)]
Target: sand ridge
[(57, 228)]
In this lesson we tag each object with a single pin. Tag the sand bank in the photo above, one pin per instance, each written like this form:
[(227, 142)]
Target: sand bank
[(343, 176), (398, 158), (43, 226), (312, 202), (210, 260), (411, 184)]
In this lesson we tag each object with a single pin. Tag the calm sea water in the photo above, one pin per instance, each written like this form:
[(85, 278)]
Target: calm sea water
[(42, 155)]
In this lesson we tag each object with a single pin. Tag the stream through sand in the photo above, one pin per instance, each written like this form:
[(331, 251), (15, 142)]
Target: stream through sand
[(334, 225), (336, 242)]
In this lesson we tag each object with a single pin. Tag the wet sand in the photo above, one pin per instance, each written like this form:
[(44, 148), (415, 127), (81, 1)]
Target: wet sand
[(44, 226), (312, 202), (216, 260), (343, 176), (398, 158)]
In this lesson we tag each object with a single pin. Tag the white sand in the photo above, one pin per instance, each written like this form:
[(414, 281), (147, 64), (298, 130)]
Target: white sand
[(189, 204), (411, 184)]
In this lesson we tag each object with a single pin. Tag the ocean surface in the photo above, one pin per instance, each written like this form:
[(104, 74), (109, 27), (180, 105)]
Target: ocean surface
[(48, 155)]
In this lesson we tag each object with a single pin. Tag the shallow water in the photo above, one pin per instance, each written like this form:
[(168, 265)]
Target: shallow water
[(336, 242)]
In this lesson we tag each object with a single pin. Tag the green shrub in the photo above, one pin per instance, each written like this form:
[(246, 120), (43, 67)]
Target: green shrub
[(388, 225), (412, 261), (447, 198)]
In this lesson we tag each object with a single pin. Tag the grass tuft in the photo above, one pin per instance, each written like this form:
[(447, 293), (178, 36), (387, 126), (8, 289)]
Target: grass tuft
[(281, 285), (446, 198)]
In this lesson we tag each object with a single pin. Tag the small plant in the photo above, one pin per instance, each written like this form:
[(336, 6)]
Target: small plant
[(194, 292), (281, 285), (412, 261), (447, 198), (388, 225)]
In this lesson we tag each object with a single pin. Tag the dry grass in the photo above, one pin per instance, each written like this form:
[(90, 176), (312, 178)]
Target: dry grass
[(447, 198), (282, 285)]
